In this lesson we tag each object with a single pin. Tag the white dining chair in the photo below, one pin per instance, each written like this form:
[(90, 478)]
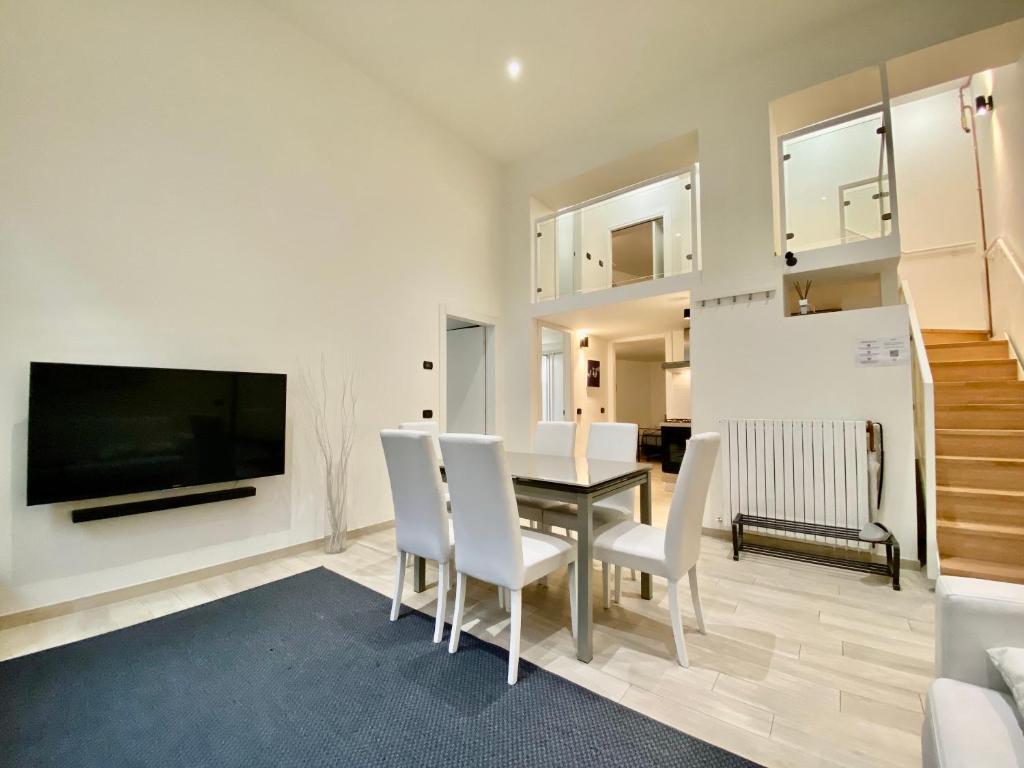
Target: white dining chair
[(555, 438), (610, 441), (432, 429), (671, 552), (551, 438), (490, 545), (422, 525)]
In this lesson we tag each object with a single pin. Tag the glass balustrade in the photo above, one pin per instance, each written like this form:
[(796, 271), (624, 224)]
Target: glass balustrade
[(644, 233), (835, 184)]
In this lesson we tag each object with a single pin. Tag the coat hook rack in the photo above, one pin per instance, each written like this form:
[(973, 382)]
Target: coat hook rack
[(736, 298)]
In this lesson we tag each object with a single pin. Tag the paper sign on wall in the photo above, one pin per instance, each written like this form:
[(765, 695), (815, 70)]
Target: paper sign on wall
[(883, 350)]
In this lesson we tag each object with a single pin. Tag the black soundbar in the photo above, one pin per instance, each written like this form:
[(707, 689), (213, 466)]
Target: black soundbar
[(154, 505)]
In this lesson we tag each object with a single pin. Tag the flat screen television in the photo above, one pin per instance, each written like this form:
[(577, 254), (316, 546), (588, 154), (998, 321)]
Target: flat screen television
[(104, 430)]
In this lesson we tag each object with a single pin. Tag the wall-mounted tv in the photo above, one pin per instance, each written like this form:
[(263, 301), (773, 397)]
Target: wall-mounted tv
[(103, 430)]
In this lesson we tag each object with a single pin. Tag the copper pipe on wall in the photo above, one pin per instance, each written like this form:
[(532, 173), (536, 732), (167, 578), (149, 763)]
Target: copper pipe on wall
[(965, 109)]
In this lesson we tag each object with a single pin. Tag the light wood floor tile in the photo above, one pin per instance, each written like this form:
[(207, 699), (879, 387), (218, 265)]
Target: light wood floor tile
[(801, 665)]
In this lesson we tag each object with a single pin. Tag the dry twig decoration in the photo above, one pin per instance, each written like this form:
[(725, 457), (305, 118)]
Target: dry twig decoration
[(335, 450)]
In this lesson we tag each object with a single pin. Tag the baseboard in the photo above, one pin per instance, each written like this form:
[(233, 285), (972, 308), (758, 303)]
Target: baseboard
[(100, 599)]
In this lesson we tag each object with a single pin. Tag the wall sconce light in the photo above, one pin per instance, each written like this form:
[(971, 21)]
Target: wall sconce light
[(584, 342), (983, 105)]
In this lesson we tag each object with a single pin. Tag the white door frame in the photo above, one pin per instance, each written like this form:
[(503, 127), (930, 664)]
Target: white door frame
[(491, 373), (568, 368)]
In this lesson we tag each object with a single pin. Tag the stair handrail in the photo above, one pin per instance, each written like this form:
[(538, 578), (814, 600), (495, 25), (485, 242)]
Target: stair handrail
[(999, 246), (924, 431)]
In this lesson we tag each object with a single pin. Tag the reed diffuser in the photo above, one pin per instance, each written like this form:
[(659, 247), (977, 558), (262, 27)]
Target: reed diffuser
[(803, 291)]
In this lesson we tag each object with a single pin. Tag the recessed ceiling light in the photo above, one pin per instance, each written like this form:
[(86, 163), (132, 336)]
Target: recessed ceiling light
[(513, 68)]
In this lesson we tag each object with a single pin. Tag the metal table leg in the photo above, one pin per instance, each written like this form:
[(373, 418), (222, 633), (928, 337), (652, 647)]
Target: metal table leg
[(419, 574), (584, 558), (645, 518)]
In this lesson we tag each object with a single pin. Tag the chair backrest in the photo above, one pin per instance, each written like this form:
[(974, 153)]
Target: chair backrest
[(421, 520), (555, 438), (615, 441), (488, 542), (430, 427), (686, 513)]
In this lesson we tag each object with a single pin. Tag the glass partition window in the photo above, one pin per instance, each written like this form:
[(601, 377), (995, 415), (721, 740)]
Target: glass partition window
[(644, 233), (835, 184)]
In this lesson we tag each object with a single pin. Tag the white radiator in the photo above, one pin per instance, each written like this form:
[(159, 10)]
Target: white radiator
[(802, 471)]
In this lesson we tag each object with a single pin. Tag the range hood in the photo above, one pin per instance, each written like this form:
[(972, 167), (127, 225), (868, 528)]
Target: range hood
[(680, 357)]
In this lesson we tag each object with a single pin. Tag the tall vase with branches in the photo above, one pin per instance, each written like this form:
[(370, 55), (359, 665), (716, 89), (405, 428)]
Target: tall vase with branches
[(333, 412)]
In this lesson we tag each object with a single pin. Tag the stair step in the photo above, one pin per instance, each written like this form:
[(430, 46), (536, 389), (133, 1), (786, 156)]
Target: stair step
[(991, 542), (957, 392), (987, 443), (975, 370), (998, 349), (981, 506), (951, 335), (974, 472), (981, 569), (980, 416)]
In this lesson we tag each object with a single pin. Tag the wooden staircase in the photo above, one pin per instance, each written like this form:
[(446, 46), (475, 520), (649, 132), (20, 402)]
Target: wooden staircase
[(979, 455)]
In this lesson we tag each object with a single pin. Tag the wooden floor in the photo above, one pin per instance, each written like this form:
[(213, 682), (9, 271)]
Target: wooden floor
[(801, 665)]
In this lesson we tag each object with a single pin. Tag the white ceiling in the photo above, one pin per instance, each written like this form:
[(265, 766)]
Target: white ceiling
[(640, 317), (583, 60), (646, 350)]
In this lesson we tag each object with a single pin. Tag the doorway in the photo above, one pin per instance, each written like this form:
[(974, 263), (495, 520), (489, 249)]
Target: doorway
[(466, 376), (640, 381), (555, 395)]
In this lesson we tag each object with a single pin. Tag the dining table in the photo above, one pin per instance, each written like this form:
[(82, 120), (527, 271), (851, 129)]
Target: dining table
[(584, 483)]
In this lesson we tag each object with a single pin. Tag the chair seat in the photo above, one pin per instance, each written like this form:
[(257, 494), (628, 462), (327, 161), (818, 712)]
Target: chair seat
[(967, 725), (632, 545), (565, 515), (542, 554)]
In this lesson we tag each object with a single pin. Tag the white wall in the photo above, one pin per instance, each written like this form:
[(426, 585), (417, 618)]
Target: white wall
[(639, 392), (748, 359), (467, 381), (940, 223), (200, 185), (678, 404), (1001, 153), (589, 399), (936, 182)]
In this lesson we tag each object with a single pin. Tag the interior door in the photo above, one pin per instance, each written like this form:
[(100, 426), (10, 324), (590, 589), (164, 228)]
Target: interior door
[(467, 380)]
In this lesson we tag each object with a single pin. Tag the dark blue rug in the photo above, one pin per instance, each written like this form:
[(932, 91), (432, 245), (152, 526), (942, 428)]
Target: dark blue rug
[(308, 671)]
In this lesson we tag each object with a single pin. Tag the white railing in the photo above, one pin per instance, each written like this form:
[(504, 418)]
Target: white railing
[(924, 429), (1006, 278)]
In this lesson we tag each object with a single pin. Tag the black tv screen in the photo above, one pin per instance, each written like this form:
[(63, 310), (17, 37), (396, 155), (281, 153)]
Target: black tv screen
[(103, 430)]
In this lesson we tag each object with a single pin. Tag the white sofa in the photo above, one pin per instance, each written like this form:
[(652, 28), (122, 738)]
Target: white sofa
[(971, 720)]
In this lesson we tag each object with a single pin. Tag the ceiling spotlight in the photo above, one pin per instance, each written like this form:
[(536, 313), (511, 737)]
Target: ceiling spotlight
[(513, 68), (983, 105)]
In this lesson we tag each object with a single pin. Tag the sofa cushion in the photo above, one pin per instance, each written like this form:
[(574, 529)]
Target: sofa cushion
[(967, 726), (1010, 663)]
